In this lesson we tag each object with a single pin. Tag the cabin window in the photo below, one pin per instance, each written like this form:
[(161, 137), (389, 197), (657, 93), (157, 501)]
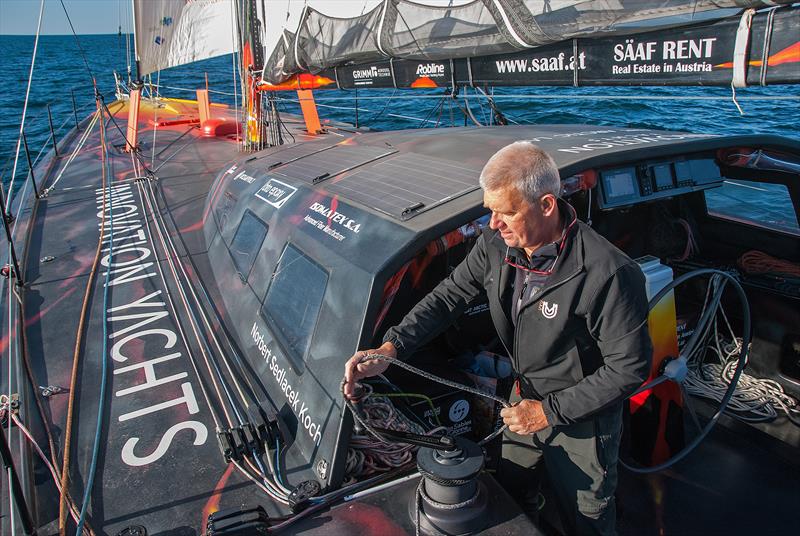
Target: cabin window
[(293, 301), (246, 243), (224, 206), (766, 205)]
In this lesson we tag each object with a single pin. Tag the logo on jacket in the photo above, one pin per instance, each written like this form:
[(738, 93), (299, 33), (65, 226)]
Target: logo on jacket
[(548, 311)]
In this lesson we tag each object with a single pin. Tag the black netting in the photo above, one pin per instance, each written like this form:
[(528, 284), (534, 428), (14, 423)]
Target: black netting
[(281, 63), (420, 32), (409, 30), (323, 41)]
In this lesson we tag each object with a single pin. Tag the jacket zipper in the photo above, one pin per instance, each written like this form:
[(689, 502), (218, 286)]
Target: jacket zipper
[(515, 321)]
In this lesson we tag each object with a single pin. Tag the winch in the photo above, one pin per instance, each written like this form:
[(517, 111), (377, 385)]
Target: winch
[(450, 498)]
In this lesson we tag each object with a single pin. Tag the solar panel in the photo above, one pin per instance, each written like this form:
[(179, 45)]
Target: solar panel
[(331, 162), (406, 185)]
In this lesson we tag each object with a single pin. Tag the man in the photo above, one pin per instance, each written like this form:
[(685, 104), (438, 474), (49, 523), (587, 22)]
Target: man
[(570, 309)]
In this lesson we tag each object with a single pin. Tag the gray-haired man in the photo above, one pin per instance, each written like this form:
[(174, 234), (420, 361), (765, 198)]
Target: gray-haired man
[(569, 308)]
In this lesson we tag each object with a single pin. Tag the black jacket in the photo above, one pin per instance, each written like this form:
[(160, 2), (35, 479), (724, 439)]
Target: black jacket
[(580, 345)]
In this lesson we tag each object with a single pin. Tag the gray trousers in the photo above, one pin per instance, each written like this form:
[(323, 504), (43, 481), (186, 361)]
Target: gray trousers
[(581, 462)]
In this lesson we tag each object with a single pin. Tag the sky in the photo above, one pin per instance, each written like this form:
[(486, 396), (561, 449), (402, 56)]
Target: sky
[(19, 17)]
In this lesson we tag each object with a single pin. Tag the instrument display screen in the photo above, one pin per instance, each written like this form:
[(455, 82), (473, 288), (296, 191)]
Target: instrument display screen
[(619, 184), (662, 174), (642, 181)]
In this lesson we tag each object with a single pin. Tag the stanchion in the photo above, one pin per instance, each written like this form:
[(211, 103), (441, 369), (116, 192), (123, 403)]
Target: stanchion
[(30, 165), (7, 219), (52, 131), (75, 110)]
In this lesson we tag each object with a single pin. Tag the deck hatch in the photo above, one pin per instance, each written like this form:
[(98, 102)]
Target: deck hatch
[(330, 162), (407, 184)]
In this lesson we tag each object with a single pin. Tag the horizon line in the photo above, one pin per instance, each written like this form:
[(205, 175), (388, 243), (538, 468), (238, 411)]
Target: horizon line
[(61, 34)]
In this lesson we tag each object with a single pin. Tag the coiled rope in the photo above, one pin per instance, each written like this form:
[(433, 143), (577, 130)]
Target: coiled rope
[(402, 364)]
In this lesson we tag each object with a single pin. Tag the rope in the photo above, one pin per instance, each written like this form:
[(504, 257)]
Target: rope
[(368, 455), (72, 156), (76, 354), (421, 495), (151, 210), (72, 509), (197, 302), (758, 262), (272, 489), (87, 494), (174, 258), (402, 364)]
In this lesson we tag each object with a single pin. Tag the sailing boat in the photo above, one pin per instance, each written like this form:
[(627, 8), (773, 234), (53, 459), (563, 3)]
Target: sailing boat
[(174, 361)]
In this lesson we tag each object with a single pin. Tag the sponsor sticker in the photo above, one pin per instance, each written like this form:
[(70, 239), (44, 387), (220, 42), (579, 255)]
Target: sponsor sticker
[(276, 193), (333, 222), (459, 410)]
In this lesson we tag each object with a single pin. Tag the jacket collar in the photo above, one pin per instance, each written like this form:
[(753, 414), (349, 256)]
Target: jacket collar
[(569, 262)]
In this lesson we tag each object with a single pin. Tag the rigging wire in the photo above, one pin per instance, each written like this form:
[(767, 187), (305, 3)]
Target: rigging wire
[(11, 346), (25, 107), (78, 42), (128, 25)]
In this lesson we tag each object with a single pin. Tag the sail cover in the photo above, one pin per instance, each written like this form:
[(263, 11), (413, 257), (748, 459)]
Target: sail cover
[(412, 31), (175, 32)]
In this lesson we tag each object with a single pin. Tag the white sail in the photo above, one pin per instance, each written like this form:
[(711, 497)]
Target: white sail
[(176, 32)]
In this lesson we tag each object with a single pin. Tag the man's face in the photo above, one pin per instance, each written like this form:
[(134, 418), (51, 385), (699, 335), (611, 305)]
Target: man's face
[(521, 224), (513, 216)]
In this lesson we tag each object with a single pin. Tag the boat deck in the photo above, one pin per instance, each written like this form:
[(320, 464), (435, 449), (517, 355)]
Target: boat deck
[(159, 463)]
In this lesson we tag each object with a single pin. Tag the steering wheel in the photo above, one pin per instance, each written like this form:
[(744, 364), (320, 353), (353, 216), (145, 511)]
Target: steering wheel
[(676, 369)]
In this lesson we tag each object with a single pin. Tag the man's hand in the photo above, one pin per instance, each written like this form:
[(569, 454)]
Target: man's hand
[(354, 371), (525, 418)]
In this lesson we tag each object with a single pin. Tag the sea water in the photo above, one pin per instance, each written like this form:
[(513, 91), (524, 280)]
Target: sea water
[(64, 68)]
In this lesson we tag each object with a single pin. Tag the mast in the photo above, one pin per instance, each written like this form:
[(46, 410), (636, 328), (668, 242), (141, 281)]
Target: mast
[(251, 57), (135, 48)]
